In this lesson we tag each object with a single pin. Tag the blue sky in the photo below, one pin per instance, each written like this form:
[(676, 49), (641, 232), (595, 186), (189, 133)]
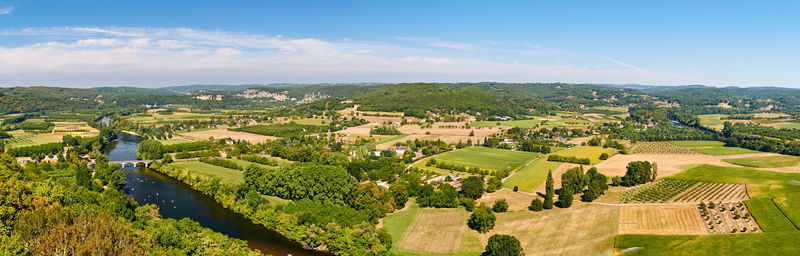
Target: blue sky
[(159, 43)]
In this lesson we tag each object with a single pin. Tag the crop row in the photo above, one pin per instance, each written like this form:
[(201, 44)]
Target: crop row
[(720, 192), (659, 191), (659, 148)]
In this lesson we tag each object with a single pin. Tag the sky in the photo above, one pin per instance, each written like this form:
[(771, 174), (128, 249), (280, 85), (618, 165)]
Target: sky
[(156, 43)]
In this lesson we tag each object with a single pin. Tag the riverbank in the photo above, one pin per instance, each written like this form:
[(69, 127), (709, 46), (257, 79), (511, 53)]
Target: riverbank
[(257, 210)]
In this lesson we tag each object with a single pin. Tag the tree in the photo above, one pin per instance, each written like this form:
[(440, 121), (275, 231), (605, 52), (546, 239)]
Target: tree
[(638, 172), (500, 206), (604, 156), (494, 184), (536, 205), (482, 219), (150, 150), (374, 200), (399, 194), (573, 179), (516, 188), (654, 172), (503, 245), (598, 184), (472, 187), (565, 198), (549, 191)]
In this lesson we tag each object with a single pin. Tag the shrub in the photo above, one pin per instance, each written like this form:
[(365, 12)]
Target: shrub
[(468, 203), (260, 160), (569, 159), (536, 205), (482, 219), (603, 156), (503, 245), (500, 206), (221, 163), (564, 198)]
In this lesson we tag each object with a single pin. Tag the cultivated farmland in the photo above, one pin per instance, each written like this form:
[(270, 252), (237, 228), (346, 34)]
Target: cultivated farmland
[(659, 147), (660, 220), (487, 158)]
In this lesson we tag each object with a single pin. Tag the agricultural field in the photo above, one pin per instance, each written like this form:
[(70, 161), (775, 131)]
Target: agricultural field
[(765, 162), (697, 143), (230, 176), (727, 218), (721, 151), (788, 205), (660, 191), (24, 139), (175, 117), (668, 164), (225, 133), (714, 148), (530, 177), (427, 231), (660, 220), (591, 152), (779, 243), (486, 158), (449, 128), (769, 216), (659, 147), (713, 192), (537, 122)]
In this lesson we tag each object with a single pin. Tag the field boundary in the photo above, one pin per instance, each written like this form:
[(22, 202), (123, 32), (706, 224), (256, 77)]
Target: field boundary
[(772, 199)]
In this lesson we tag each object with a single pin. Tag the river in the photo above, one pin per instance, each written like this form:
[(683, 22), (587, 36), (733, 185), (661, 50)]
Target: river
[(178, 200)]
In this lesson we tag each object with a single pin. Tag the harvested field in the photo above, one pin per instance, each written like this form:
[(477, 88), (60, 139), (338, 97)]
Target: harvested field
[(516, 201), (713, 192), (225, 133), (427, 231), (436, 130), (667, 164), (450, 139), (435, 231), (660, 147), (583, 229), (357, 130), (660, 220)]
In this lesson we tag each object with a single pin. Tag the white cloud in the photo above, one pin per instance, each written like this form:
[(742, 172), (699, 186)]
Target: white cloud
[(164, 56), (6, 10)]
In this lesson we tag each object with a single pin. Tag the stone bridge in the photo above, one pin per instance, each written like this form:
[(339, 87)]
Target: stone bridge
[(134, 163)]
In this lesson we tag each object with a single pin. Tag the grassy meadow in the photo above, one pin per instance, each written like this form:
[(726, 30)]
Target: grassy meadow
[(487, 158), (531, 176), (766, 162), (229, 176)]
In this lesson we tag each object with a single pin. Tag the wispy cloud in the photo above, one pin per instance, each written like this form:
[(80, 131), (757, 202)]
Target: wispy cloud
[(6, 10), (87, 56)]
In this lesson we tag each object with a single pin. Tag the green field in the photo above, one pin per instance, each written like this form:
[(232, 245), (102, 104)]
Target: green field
[(788, 205), (487, 158), (766, 162), (757, 244), (761, 183), (714, 148), (788, 126), (530, 177), (712, 120), (591, 152), (697, 143), (768, 216), (312, 121), (721, 151), (230, 176)]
